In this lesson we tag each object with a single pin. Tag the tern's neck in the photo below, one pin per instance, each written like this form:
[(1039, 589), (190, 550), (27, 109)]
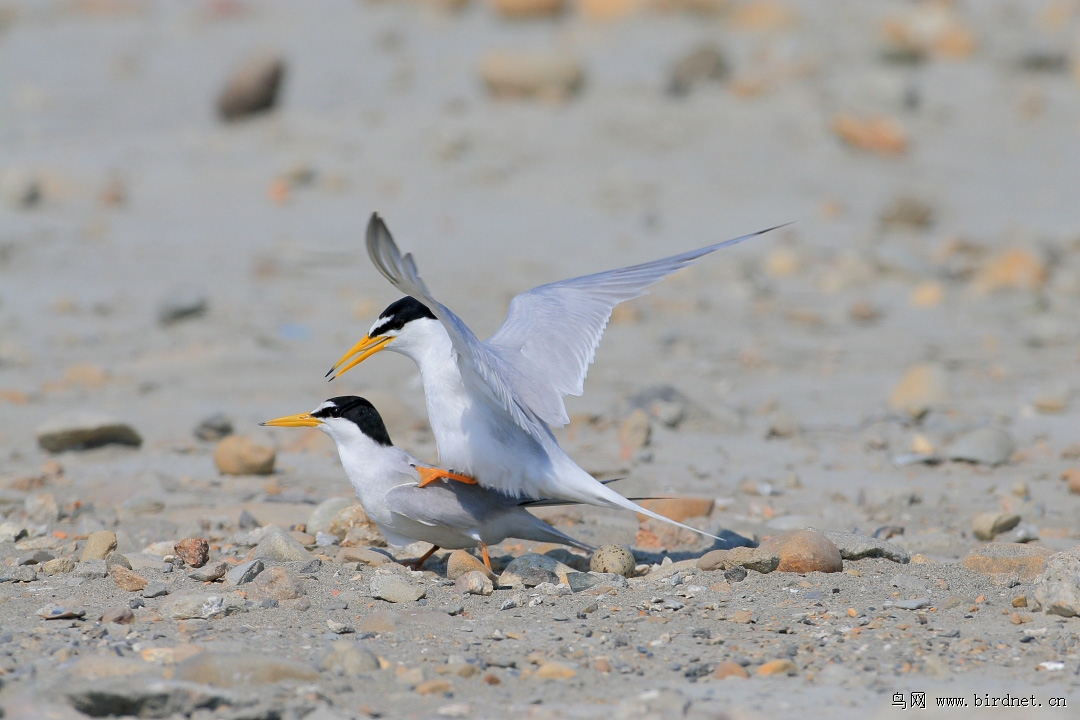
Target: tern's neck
[(434, 355)]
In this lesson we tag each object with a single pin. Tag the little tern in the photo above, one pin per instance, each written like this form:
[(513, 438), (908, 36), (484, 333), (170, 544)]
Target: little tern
[(491, 403), (386, 480)]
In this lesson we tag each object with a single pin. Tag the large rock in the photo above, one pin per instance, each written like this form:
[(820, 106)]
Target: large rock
[(279, 545), (84, 430), (804, 551), (1024, 561), (238, 455), (1058, 588), (251, 89)]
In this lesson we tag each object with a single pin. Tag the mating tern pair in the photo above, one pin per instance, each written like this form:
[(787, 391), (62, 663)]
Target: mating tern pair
[(491, 404)]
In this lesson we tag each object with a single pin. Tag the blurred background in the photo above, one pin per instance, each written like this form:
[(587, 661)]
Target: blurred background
[(184, 189)]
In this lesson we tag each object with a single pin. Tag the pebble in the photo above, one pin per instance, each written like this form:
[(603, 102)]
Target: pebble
[(854, 546), (193, 551), (394, 589), (735, 574), (247, 521), (511, 576), (115, 558), (758, 559), (531, 577), (126, 579), (202, 606), (118, 615), (91, 569), (59, 566), (615, 559), (238, 455), (346, 657), (214, 428), (985, 446), (988, 525), (98, 545), (997, 559), (57, 611), (181, 304), (37, 557), (241, 670), (704, 63), (580, 582), (804, 551), (155, 588), (922, 388), (727, 668), (324, 513), (209, 573), (277, 544), (461, 562), (18, 573), (276, 583), (352, 524), (244, 572), (1058, 588), (554, 671), (523, 74), (778, 667), (84, 430), (339, 628), (252, 88), (1015, 269)]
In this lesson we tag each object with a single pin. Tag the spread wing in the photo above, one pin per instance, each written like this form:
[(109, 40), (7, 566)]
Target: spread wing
[(551, 332), (544, 348), (501, 379)]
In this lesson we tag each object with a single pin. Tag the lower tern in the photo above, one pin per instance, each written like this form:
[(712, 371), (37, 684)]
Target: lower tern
[(491, 403), (387, 481)]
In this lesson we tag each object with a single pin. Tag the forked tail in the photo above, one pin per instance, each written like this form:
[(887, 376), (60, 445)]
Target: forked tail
[(603, 496)]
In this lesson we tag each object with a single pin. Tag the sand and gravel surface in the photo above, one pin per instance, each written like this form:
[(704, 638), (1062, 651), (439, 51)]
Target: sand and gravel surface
[(183, 193)]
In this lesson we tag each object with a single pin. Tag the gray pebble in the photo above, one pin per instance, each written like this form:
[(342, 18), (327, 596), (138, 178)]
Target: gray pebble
[(912, 604), (394, 589), (91, 569), (155, 588), (60, 612), (209, 572), (181, 305), (279, 545), (37, 557), (18, 573), (214, 428), (735, 574), (244, 572), (985, 446), (854, 546)]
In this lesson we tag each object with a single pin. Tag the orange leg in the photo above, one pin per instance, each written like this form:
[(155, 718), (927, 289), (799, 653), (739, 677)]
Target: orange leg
[(484, 554), (430, 475), (419, 563)]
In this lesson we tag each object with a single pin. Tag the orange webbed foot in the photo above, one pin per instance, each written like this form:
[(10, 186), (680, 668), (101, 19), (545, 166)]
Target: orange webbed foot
[(430, 475)]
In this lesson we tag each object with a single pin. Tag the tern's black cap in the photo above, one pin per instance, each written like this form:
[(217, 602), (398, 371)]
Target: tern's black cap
[(398, 314), (359, 411)]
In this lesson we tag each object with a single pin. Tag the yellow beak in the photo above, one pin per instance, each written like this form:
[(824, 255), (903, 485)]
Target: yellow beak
[(364, 349), (301, 420)]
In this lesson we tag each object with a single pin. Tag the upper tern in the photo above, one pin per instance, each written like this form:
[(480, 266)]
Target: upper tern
[(386, 480), (490, 403)]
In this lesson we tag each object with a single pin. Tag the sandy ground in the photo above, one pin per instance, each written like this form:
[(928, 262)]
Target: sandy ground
[(122, 192)]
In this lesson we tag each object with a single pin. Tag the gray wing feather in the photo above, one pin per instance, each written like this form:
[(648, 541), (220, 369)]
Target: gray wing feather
[(447, 504), (551, 332)]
